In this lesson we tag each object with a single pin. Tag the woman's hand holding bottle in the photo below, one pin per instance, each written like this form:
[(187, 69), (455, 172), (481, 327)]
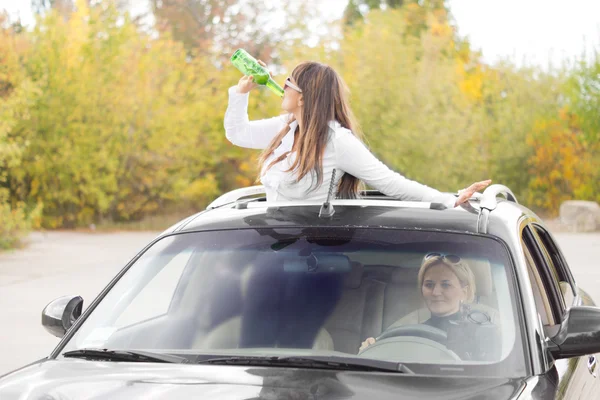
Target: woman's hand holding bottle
[(246, 82)]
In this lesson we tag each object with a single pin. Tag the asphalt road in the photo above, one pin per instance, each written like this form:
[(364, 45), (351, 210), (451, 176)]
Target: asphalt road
[(52, 265), (61, 263)]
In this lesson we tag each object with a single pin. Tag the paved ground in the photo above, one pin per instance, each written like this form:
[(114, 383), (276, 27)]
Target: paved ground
[(53, 265), (583, 255), (61, 263)]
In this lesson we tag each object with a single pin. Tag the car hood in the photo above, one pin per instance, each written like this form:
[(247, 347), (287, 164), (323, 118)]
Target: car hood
[(80, 379)]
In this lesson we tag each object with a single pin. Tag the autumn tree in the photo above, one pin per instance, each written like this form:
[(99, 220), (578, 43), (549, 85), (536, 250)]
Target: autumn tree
[(103, 120), (17, 97), (583, 91), (565, 163), (357, 9), (215, 28), (433, 110), (64, 7)]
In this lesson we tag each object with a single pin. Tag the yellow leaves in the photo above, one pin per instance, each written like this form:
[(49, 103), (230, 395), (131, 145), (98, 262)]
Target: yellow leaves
[(561, 165), (242, 181), (116, 128), (414, 15), (17, 93), (472, 84), (16, 221), (570, 118), (246, 167), (101, 120), (201, 191), (441, 29)]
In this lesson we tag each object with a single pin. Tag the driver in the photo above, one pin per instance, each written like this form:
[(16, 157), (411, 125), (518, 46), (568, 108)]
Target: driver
[(448, 286)]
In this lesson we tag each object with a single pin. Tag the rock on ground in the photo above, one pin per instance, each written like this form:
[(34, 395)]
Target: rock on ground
[(580, 216)]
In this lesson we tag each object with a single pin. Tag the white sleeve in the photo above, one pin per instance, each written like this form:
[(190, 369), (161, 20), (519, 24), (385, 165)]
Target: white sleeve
[(244, 133), (353, 157)]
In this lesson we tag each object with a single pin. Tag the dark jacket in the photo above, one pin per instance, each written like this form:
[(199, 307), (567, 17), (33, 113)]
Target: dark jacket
[(470, 334)]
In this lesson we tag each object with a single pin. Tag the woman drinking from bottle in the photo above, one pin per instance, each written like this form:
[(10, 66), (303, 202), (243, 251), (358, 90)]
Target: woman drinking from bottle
[(316, 136)]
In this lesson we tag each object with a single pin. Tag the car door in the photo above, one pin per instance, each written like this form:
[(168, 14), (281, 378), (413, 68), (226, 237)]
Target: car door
[(557, 292)]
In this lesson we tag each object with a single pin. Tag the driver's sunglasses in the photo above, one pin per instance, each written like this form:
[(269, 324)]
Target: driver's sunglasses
[(288, 83), (451, 258)]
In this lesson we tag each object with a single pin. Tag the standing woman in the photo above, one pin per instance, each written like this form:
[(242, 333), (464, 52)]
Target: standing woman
[(302, 148)]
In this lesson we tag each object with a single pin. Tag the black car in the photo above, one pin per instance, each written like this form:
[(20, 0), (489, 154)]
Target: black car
[(250, 299)]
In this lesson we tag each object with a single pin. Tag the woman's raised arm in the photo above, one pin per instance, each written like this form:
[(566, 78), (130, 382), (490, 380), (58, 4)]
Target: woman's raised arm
[(242, 132)]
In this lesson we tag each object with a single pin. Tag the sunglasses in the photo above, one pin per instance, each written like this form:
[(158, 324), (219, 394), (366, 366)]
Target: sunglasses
[(288, 83), (451, 258)]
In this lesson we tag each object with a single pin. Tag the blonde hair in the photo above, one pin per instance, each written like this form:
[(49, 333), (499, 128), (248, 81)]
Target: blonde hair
[(461, 270)]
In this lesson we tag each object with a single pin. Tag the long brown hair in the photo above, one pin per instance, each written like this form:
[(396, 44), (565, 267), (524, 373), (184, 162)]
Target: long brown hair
[(325, 99)]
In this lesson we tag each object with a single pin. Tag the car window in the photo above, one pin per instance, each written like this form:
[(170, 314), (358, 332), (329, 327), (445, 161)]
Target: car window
[(155, 297), (144, 297), (541, 300), (558, 264), (546, 277), (427, 299)]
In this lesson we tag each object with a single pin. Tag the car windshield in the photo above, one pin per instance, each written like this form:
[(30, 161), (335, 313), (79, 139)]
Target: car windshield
[(438, 302)]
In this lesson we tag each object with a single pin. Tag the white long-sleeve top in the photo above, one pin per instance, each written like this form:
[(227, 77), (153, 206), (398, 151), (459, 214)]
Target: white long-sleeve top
[(343, 151)]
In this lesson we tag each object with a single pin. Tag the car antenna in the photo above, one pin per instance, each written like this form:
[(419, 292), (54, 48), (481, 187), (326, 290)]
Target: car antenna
[(326, 208)]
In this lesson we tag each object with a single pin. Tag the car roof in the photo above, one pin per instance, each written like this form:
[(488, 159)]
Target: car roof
[(345, 215), (373, 210)]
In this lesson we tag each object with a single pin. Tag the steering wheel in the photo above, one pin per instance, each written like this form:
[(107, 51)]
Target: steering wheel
[(411, 343), (419, 330)]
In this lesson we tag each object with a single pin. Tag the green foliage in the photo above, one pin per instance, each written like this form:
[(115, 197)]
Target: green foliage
[(556, 164), (583, 91), (17, 96), (216, 28), (355, 9), (352, 12), (17, 221), (432, 110), (116, 124), (566, 144), (101, 121)]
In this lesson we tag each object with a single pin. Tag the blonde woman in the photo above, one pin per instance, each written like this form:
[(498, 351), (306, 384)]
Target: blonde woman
[(448, 287), (302, 148)]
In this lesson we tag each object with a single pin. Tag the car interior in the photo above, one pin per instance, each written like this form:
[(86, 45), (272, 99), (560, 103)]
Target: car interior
[(207, 312)]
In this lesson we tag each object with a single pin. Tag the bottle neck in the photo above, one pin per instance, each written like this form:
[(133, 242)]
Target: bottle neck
[(274, 86)]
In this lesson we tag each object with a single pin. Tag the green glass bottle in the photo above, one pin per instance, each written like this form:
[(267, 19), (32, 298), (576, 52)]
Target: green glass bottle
[(248, 65)]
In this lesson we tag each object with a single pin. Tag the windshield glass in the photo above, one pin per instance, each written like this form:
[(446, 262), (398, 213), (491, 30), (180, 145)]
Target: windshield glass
[(438, 302)]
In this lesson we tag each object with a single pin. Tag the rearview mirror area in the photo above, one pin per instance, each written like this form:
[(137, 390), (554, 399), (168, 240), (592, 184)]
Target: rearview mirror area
[(60, 314), (318, 263), (579, 333)]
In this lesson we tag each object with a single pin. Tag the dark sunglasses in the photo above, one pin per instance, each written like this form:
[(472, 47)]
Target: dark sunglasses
[(451, 258), (288, 83)]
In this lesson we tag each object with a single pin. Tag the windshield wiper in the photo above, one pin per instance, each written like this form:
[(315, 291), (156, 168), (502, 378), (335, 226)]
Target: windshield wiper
[(321, 362), (125, 355)]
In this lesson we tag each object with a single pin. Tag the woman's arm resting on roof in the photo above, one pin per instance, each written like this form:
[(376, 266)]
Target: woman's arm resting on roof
[(242, 132), (467, 193), (354, 158)]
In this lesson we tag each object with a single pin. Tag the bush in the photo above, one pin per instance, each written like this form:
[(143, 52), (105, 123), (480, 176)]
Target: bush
[(16, 222)]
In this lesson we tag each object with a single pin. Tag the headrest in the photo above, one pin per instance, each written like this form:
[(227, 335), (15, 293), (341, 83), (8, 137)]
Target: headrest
[(354, 278), (482, 270), (404, 276)]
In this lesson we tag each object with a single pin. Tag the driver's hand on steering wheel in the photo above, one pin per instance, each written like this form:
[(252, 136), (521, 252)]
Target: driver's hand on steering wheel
[(366, 343)]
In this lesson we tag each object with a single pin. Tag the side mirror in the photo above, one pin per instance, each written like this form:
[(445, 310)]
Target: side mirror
[(60, 314), (579, 333)]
